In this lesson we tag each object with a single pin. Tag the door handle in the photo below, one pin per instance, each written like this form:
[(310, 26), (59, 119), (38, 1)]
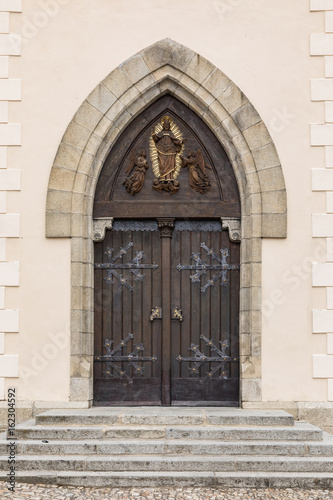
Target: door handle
[(176, 313), (156, 313)]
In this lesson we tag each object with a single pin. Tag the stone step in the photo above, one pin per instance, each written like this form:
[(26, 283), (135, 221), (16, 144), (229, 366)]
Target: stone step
[(121, 463), (299, 432), (165, 416), (180, 479), (173, 446)]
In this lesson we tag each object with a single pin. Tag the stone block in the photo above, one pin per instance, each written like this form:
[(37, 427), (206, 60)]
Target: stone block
[(115, 111), (10, 90), (9, 321), (168, 72), (101, 98), (274, 202), (322, 135), (3, 202), (9, 365), (216, 83), (257, 136), (321, 5), (199, 68), (61, 179), (328, 66), (10, 180), (322, 179), (321, 44), (135, 68), (80, 183), (11, 5), (4, 22), (146, 83), (10, 134), (251, 390), (88, 115), (322, 274), (218, 111), (205, 97), (136, 107), (329, 202), (231, 128), (67, 157), (232, 98), (130, 96), (4, 107), (168, 52), (330, 343), (188, 83), (246, 116), (274, 226), (322, 321), (59, 201), (2, 249), (151, 94), (266, 157), (244, 344), (81, 366), (10, 45), (4, 67), (271, 179), (81, 389), (251, 368), (322, 366), (117, 82), (9, 273), (329, 112), (330, 391), (9, 226), (3, 157), (58, 225), (322, 225), (76, 136), (103, 127), (321, 89)]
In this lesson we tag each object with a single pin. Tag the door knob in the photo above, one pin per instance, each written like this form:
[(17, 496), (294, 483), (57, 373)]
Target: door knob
[(156, 313), (176, 313)]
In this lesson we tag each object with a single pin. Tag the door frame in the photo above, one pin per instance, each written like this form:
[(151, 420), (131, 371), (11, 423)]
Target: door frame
[(165, 67)]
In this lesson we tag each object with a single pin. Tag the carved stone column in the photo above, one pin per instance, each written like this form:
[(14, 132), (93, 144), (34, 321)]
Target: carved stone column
[(100, 226), (166, 227), (233, 225)]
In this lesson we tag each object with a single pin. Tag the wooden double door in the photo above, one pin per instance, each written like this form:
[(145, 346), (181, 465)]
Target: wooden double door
[(166, 314)]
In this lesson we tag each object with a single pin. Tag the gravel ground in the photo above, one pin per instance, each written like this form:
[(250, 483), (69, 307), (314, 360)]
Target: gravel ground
[(39, 492)]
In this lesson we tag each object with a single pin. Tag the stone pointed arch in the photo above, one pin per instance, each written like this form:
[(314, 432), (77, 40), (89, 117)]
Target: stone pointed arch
[(165, 67)]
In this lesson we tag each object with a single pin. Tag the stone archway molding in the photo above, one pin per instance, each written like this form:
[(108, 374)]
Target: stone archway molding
[(165, 67)]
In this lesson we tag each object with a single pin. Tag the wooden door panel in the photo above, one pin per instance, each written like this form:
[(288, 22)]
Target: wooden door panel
[(123, 307), (212, 313)]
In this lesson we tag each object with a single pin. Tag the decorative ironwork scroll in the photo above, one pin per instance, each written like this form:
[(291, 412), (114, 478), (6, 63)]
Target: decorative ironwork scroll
[(133, 266), (201, 267), (200, 359), (117, 355)]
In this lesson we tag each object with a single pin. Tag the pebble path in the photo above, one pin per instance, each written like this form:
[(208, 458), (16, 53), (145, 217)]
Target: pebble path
[(40, 492)]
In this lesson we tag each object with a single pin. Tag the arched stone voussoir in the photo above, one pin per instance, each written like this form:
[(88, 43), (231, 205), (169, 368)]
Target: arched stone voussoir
[(167, 67)]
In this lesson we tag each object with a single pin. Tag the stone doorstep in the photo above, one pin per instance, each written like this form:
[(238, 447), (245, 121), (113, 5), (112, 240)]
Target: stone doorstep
[(300, 431), (165, 416), (152, 479), (174, 447), (161, 463)]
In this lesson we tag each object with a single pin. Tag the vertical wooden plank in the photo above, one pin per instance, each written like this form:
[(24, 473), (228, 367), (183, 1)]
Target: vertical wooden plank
[(185, 340), (157, 301), (146, 301), (127, 296), (195, 293), (176, 300)]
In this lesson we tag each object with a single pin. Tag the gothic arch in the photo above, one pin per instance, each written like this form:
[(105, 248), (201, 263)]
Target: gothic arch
[(165, 67)]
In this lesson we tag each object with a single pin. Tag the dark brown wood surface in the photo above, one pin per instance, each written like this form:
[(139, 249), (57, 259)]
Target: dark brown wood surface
[(221, 199), (213, 313)]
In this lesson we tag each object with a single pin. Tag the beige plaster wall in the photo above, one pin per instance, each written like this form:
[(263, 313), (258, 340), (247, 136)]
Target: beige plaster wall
[(263, 46)]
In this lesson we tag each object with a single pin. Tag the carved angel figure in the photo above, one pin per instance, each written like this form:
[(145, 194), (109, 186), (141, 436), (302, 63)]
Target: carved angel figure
[(197, 176), (138, 161)]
